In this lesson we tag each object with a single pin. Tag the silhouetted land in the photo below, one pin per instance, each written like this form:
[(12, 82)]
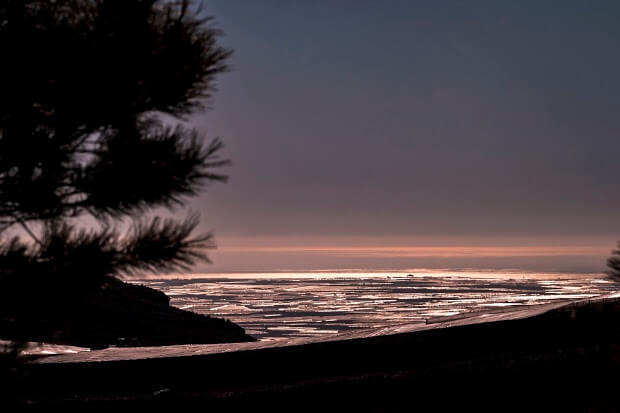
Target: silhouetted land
[(556, 357), (111, 144), (97, 316)]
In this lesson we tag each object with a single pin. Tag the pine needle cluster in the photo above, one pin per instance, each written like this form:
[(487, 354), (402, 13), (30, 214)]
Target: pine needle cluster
[(86, 86)]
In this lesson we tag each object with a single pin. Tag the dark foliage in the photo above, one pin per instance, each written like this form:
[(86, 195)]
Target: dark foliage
[(84, 86), (613, 263)]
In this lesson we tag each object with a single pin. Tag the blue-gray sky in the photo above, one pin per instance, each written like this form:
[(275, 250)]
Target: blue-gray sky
[(417, 119)]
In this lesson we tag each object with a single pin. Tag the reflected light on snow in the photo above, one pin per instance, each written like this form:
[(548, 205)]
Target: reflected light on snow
[(272, 306)]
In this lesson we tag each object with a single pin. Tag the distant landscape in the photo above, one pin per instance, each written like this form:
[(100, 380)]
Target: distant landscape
[(275, 205), (315, 304)]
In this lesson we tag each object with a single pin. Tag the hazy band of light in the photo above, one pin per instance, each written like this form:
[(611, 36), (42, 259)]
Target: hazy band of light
[(443, 251), (364, 273)]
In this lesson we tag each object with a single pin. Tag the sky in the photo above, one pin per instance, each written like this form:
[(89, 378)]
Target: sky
[(413, 124)]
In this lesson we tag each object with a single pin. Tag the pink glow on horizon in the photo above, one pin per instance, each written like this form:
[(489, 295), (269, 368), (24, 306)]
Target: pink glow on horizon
[(283, 253), (435, 251)]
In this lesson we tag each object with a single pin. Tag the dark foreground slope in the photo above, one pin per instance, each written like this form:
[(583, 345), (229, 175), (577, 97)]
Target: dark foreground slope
[(113, 313), (554, 358)]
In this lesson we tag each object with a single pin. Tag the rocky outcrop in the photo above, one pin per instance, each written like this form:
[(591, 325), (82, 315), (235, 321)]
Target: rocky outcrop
[(113, 313)]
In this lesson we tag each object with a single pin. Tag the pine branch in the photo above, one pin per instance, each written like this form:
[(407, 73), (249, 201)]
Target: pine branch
[(613, 263), (79, 256), (80, 133), (162, 245), (159, 167)]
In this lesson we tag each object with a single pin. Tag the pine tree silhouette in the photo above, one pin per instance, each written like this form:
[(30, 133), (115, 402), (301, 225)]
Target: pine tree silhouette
[(86, 86), (613, 264)]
